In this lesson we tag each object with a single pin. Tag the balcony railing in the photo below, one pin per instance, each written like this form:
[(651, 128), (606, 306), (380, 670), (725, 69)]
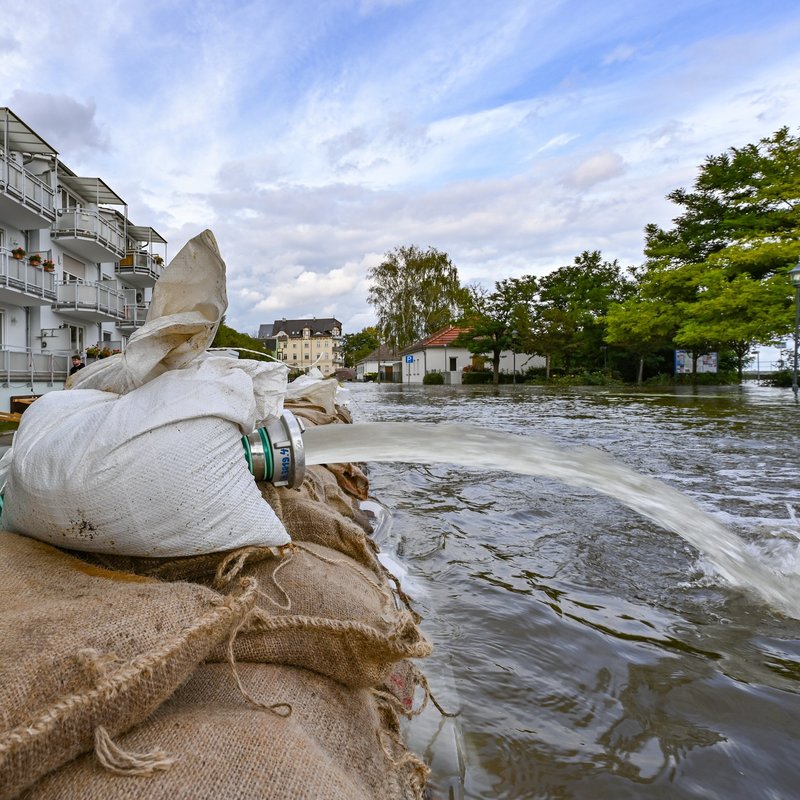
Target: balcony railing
[(19, 276), (21, 363), (140, 265), (134, 316), (93, 301), (27, 189), (89, 226)]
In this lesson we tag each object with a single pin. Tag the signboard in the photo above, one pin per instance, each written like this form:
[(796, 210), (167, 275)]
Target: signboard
[(683, 362), (409, 359)]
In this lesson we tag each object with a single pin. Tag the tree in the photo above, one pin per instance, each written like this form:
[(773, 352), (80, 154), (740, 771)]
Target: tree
[(499, 319), (358, 345), (573, 300), (723, 262), (414, 293), (229, 337)]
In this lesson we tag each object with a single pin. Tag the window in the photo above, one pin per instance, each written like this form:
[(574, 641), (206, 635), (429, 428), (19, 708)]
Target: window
[(453, 363), (75, 338)]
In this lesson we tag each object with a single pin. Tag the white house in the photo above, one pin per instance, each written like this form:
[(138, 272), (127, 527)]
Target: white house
[(437, 353), (74, 272), (383, 362)]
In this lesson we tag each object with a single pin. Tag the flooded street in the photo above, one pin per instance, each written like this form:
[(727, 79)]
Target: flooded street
[(593, 653)]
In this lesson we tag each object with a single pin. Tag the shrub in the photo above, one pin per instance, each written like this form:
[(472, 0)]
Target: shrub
[(433, 379), (476, 376)]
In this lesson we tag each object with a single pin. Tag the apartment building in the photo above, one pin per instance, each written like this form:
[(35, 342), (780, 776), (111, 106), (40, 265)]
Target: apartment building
[(304, 343), (75, 273)]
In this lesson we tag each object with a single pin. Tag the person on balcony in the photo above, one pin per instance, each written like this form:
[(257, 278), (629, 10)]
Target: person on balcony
[(77, 363)]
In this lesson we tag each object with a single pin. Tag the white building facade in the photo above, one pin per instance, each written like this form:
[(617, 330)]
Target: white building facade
[(75, 275)]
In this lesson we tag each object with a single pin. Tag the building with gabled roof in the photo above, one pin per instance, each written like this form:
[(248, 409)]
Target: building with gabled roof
[(439, 353), (304, 343), (384, 363)]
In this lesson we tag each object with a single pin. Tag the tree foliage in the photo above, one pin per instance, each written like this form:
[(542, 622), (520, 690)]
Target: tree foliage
[(498, 320), (229, 337), (358, 345), (569, 321), (414, 293), (716, 280)]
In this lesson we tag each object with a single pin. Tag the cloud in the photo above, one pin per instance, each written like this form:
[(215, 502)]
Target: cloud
[(67, 124), (597, 168), (620, 54)]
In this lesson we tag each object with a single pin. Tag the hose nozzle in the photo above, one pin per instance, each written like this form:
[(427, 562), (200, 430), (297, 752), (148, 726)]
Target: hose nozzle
[(275, 453)]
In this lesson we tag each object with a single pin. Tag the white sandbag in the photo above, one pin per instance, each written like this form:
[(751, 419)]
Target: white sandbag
[(315, 388), (188, 302), (159, 471)]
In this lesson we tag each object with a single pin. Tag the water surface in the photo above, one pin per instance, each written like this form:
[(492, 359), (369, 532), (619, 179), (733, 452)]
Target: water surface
[(596, 655)]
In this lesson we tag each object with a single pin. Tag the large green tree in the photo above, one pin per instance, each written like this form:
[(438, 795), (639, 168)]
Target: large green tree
[(414, 292), (499, 320), (722, 264)]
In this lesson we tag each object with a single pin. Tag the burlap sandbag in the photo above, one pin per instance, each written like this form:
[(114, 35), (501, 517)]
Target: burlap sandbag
[(320, 610), (337, 744), (87, 652)]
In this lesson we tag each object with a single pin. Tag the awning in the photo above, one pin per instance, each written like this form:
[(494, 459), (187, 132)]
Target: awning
[(143, 233), (18, 136), (93, 190)]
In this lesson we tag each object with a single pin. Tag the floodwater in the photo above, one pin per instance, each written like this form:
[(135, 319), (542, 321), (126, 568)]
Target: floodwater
[(592, 653)]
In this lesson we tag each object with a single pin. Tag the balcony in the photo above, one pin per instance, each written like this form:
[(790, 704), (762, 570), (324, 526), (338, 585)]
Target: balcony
[(140, 269), (93, 302), (21, 364), (24, 285), (134, 317), (25, 201), (86, 233)]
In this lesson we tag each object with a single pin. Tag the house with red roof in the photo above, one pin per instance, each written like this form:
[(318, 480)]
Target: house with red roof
[(438, 353)]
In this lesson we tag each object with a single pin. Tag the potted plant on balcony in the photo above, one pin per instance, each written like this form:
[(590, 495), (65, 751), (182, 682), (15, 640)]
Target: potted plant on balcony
[(48, 265), (92, 352), (18, 253), (35, 260), (157, 258)]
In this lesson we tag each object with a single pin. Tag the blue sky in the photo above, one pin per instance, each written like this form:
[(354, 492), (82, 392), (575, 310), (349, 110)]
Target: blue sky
[(314, 137)]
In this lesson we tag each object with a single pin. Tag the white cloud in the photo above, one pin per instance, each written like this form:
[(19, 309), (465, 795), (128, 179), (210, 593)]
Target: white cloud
[(597, 168), (621, 53)]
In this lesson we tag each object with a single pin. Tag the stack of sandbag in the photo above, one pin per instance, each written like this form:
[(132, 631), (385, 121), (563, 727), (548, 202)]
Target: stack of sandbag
[(206, 666), (334, 745), (88, 653), (326, 637)]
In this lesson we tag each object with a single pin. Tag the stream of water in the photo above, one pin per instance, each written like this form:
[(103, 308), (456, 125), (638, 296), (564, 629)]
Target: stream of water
[(596, 654)]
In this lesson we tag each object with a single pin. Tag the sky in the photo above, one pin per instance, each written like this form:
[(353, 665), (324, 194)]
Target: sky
[(314, 137)]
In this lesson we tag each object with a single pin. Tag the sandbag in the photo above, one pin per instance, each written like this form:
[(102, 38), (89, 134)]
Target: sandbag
[(159, 471), (321, 610), (143, 456), (84, 648), (337, 744)]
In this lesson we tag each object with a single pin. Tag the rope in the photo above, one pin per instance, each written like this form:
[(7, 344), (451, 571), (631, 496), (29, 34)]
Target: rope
[(125, 762), (274, 707)]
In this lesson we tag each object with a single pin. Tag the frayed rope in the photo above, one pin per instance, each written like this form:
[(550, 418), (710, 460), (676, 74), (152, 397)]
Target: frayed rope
[(125, 762)]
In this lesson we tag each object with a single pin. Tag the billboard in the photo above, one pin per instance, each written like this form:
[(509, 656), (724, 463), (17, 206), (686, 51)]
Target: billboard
[(683, 362)]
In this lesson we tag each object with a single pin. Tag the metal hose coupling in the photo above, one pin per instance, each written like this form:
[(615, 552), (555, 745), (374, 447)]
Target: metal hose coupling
[(275, 452)]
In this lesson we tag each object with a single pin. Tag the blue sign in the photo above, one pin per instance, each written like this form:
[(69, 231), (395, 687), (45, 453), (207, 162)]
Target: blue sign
[(409, 359)]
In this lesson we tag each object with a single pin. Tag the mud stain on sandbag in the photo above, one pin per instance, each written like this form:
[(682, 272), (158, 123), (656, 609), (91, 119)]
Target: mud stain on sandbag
[(80, 529)]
